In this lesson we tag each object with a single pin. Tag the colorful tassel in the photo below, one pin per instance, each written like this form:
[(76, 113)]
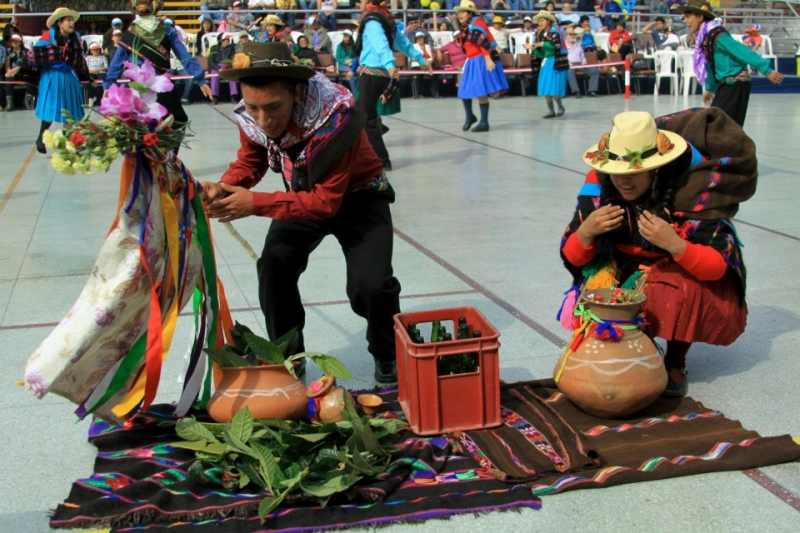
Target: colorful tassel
[(566, 315), (630, 283), (605, 278)]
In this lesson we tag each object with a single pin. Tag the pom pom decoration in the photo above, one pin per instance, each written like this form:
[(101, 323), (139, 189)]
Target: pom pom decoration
[(425, 3), (566, 315), (436, 6), (605, 278), (241, 61)]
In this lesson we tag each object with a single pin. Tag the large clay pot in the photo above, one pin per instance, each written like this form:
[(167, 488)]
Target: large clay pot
[(612, 378), (270, 391)]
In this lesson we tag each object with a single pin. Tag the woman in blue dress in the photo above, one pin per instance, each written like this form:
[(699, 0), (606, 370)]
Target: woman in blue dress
[(59, 56), (550, 50), (482, 75)]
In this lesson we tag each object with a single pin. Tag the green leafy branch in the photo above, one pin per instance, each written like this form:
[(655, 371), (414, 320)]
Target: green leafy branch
[(287, 458)]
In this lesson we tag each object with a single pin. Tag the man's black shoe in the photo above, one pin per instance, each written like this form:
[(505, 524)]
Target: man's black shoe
[(384, 129), (214, 100), (592, 94), (386, 371), (578, 96), (470, 121), (387, 165)]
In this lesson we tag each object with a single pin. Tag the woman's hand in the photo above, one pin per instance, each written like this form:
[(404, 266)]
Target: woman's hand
[(600, 221), (659, 232), (490, 66), (708, 97)]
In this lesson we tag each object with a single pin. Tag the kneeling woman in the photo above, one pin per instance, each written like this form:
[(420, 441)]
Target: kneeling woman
[(640, 206)]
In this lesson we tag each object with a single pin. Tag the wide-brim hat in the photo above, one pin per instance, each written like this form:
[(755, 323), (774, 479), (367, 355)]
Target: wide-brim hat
[(265, 60), (634, 144), (273, 19), (545, 15), (60, 13), (698, 7), (466, 5)]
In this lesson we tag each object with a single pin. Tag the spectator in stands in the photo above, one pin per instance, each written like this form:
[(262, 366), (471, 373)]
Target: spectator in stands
[(327, 14), (567, 17), (657, 29), (673, 42), (206, 26), (303, 50), (111, 49), (15, 55), (620, 41), (576, 57), (725, 75), (286, 10), (116, 24), (345, 54), (4, 95), (500, 34), (445, 25), (270, 26), (454, 51), (423, 82), (612, 13), (414, 26), (244, 37), (752, 37), (587, 39), (211, 7), (317, 36), (221, 58), (98, 68), (239, 19), (528, 30), (9, 30), (549, 48)]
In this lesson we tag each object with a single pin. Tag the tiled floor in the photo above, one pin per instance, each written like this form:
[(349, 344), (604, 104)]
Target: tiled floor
[(478, 220)]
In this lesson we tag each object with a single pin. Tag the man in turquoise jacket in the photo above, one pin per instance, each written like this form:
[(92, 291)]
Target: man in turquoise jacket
[(721, 63)]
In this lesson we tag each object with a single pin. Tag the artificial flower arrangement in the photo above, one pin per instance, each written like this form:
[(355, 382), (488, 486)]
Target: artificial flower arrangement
[(131, 120)]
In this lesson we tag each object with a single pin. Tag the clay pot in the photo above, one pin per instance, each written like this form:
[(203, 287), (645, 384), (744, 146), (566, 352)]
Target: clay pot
[(369, 404), (270, 391), (332, 405), (613, 378)]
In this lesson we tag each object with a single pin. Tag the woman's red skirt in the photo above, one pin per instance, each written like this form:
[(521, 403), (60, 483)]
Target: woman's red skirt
[(679, 307)]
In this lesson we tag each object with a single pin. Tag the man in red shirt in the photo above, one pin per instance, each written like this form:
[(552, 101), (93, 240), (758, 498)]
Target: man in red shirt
[(307, 129)]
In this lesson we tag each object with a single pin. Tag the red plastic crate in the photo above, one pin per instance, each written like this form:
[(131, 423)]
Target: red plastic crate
[(439, 404)]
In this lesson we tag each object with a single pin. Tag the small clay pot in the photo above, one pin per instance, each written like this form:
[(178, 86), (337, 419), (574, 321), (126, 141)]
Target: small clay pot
[(332, 405), (369, 404)]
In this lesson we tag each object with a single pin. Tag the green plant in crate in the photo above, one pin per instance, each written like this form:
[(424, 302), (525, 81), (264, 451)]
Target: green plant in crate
[(287, 458)]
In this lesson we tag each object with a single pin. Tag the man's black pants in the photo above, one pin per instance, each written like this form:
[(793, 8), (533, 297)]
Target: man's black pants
[(363, 227), (370, 89), (733, 99)]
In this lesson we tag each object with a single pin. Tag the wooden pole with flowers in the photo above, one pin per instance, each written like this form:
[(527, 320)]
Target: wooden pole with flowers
[(106, 355)]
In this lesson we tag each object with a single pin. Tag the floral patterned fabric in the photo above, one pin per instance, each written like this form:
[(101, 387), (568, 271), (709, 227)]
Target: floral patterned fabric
[(120, 328)]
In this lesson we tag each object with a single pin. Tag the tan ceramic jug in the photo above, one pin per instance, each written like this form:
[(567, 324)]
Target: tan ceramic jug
[(611, 378), (270, 391)]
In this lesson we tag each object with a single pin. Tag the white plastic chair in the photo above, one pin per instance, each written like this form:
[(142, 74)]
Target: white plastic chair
[(601, 39), (89, 40), (209, 40), (191, 43), (686, 68), (336, 38), (665, 68), (766, 50), (441, 38)]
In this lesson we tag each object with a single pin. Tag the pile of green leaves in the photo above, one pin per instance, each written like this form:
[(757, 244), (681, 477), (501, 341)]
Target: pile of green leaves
[(289, 458), (248, 349)]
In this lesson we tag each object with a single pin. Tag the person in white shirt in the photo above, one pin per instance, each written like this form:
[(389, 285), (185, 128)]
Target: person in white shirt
[(500, 33), (576, 57), (422, 84), (567, 17)]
